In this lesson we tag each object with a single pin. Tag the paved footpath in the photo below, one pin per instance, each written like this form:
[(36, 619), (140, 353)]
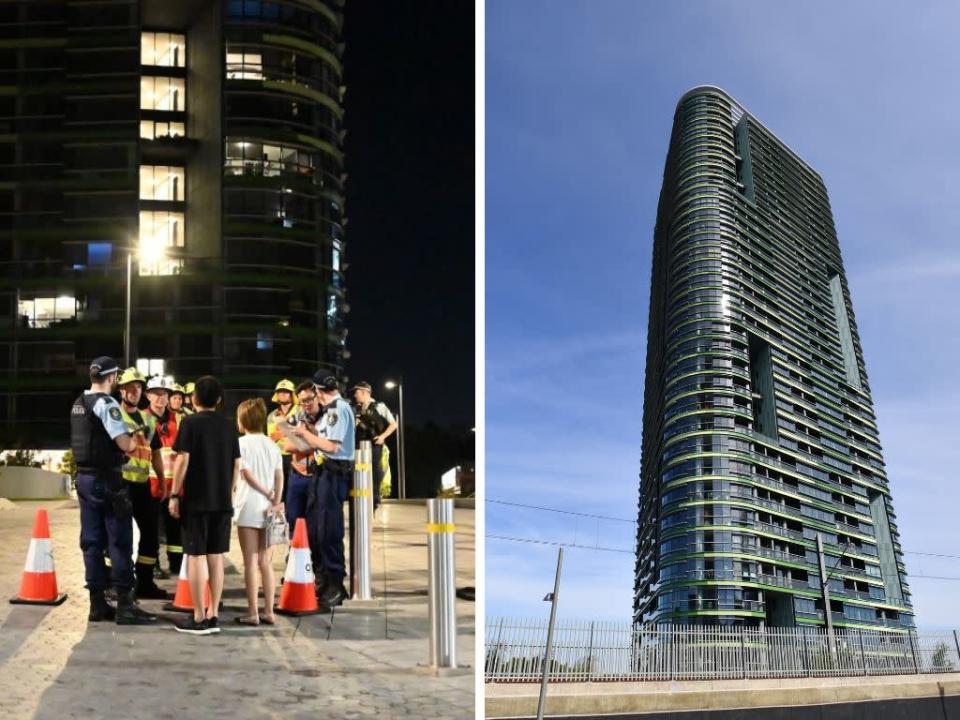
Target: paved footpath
[(54, 664)]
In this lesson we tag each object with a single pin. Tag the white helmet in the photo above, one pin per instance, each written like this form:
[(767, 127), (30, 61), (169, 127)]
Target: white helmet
[(157, 382)]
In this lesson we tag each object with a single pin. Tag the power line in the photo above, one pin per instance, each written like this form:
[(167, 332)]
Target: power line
[(558, 544), (564, 512), (939, 555)]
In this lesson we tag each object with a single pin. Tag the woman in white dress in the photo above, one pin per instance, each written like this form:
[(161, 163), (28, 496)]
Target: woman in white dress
[(257, 493)]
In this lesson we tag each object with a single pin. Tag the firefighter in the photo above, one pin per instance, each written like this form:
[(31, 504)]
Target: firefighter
[(285, 398), (188, 396), (167, 423), (99, 440), (334, 442), (178, 401), (375, 423), (136, 472)]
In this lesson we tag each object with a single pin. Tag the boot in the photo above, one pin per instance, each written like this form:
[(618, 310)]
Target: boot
[(129, 613), (100, 609), (146, 588), (333, 595)]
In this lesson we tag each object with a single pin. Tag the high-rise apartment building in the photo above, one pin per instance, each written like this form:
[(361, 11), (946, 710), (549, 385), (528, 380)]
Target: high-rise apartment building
[(759, 432), (203, 141)]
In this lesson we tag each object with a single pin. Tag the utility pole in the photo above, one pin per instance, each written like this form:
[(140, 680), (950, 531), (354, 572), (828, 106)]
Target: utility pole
[(552, 597), (825, 588)]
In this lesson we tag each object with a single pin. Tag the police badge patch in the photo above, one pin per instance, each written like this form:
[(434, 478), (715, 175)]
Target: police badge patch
[(115, 413), (331, 417)]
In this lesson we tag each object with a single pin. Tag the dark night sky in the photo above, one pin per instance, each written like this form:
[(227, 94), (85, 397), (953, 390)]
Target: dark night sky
[(409, 68)]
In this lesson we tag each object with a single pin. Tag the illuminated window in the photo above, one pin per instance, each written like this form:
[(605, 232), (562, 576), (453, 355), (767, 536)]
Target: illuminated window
[(161, 93), (335, 259), (150, 366), (44, 311), (159, 182), (156, 130), (163, 49), (244, 66), (254, 158), (158, 232), (163, 266)]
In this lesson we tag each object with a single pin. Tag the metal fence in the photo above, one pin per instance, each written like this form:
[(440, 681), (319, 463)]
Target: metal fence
[(607, 651)]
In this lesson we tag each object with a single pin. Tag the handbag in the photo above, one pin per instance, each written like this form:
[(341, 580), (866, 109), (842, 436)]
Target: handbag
[(278, 530)]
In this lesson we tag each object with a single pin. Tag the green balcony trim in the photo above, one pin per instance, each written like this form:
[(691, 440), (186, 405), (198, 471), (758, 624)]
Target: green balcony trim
[(305, 91), (312, 48), (814, 594), (807, 544)]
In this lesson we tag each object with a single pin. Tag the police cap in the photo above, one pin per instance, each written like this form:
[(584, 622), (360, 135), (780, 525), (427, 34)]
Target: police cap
[(325, 381), (103, 366)]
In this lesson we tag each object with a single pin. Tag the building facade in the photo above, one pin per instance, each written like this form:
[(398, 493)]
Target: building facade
[(203, 141), (759, 432)]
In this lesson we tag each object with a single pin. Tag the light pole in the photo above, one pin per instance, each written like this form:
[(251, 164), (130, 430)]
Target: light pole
[(126, 317), (150, 251), (390, 385), (548, 651)]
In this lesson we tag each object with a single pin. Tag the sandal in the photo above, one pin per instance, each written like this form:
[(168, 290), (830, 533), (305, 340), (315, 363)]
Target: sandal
[(246, 620), (271, 621)]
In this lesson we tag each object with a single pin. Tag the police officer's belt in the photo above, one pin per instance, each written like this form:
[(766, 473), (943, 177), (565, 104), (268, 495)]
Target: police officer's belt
[(340, 467)]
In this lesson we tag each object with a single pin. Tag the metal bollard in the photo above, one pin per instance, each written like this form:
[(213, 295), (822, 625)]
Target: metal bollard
[(361, 506), (443, 582)]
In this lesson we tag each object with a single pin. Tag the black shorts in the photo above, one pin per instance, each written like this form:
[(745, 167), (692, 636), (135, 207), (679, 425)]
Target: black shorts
[(206, 533)]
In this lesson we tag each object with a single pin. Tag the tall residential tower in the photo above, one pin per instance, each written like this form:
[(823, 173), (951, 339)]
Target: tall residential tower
[(758, 429), (203, 140)]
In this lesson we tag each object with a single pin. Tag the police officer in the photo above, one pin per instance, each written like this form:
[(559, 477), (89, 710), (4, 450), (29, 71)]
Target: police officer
[(375, 423), (99, 438), (136, 472), (334, 442)]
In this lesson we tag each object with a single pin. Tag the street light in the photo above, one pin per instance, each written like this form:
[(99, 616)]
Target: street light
[(390, 385), (152, 250)]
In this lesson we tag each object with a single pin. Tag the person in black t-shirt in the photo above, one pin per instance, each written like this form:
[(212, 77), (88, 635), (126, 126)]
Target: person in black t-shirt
[(205, 471)]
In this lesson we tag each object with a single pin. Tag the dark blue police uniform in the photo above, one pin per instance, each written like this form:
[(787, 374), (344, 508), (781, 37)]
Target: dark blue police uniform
[(324, 512)]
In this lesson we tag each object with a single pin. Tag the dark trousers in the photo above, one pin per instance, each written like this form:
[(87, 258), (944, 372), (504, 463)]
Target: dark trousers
[(377, 456), (171, 527), (298, 487), (325, 525), (145, 513), (100, 530), (287, 459)]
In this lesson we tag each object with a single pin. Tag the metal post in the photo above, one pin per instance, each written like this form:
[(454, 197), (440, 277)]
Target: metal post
[(126, 319), (825, 588), (590, 655), (863, 654), (743, 653), (913, 651), (401, 443), (443, 582), (361, 586), (956, 641), (545, 670)]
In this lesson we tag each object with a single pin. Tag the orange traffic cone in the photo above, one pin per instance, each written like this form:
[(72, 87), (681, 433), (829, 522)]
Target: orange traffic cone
[(39, 585), (299, 594), (183, 600)]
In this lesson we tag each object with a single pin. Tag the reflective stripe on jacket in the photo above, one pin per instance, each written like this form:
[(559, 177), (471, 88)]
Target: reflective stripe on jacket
[(137, 467)]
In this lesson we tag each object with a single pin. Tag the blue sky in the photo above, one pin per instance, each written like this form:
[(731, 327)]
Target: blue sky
[(579, 103)]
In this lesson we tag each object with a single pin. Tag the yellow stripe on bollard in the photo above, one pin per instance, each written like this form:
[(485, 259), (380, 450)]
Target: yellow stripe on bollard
[(363, 466), (441, 527), (361, 493)]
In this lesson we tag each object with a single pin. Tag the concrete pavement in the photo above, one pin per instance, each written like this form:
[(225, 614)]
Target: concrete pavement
[(54, 664)]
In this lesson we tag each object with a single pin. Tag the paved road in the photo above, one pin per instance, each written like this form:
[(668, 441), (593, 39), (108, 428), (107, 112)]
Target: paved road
[(54, 664)]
